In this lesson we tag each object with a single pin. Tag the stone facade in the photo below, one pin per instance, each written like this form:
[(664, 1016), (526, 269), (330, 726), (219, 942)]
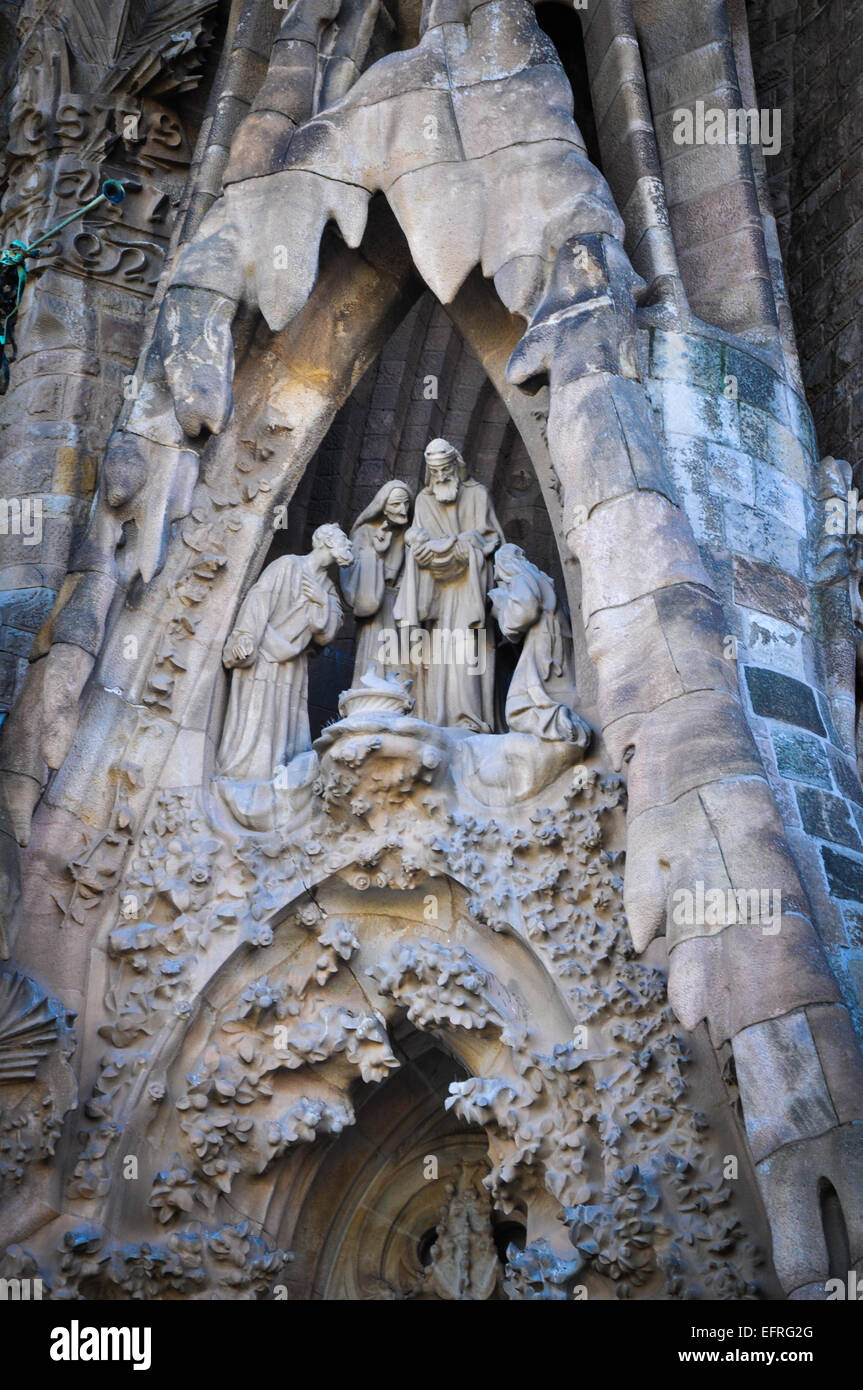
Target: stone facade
[(807, 60), (522, 966)]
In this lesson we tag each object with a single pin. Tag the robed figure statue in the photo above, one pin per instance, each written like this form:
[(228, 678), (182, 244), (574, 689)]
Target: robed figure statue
[(370, 583), (525, 605), (293, 604), (445, 589)]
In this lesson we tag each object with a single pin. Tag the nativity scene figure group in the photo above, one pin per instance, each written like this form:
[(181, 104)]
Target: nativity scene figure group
[(431, 582)]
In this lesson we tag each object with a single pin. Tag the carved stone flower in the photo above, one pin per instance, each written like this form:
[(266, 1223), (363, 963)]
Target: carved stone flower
[(173, 1192)]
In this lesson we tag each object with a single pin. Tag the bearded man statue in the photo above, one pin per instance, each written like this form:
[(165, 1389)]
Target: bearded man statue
[(445, 591)]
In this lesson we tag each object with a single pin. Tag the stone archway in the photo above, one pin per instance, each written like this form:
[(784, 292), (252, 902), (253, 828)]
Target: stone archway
[(293, 1028), (365, 1211), (468, 929)]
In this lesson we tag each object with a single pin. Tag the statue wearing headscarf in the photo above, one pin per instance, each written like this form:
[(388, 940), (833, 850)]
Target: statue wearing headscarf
[(293, 605), (525, 605), (371, 583), (445, 590)]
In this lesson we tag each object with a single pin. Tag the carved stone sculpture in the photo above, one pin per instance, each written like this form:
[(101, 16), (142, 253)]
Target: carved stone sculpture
[(525, 606), (464, 1264), (370, 583), (445, 588), (293, 604), (313, 984)]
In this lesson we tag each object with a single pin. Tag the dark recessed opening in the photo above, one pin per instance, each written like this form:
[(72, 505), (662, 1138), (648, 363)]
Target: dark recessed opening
[(424, 1245), (509, 1233), (563, 27), (835, 1231)]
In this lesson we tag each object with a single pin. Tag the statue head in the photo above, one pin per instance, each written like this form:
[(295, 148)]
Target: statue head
[(445, 468), (392, 502), (331, 538), (509, 561), (397, 505)]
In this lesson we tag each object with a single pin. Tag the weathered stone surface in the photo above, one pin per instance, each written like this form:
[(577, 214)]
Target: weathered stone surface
[(718, 977), (601, 430), (749, 829), (782, 1084), (832, 1030), (844, 875), (825, 816), (769, 590), (10, 880), (194, 341), (792, 1179), (81, 604), (669, 555), (782, 646), (698, 738), (780, 697), (67, 667), (846, 776), (802, 758), (503, 40), (723, 833)]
